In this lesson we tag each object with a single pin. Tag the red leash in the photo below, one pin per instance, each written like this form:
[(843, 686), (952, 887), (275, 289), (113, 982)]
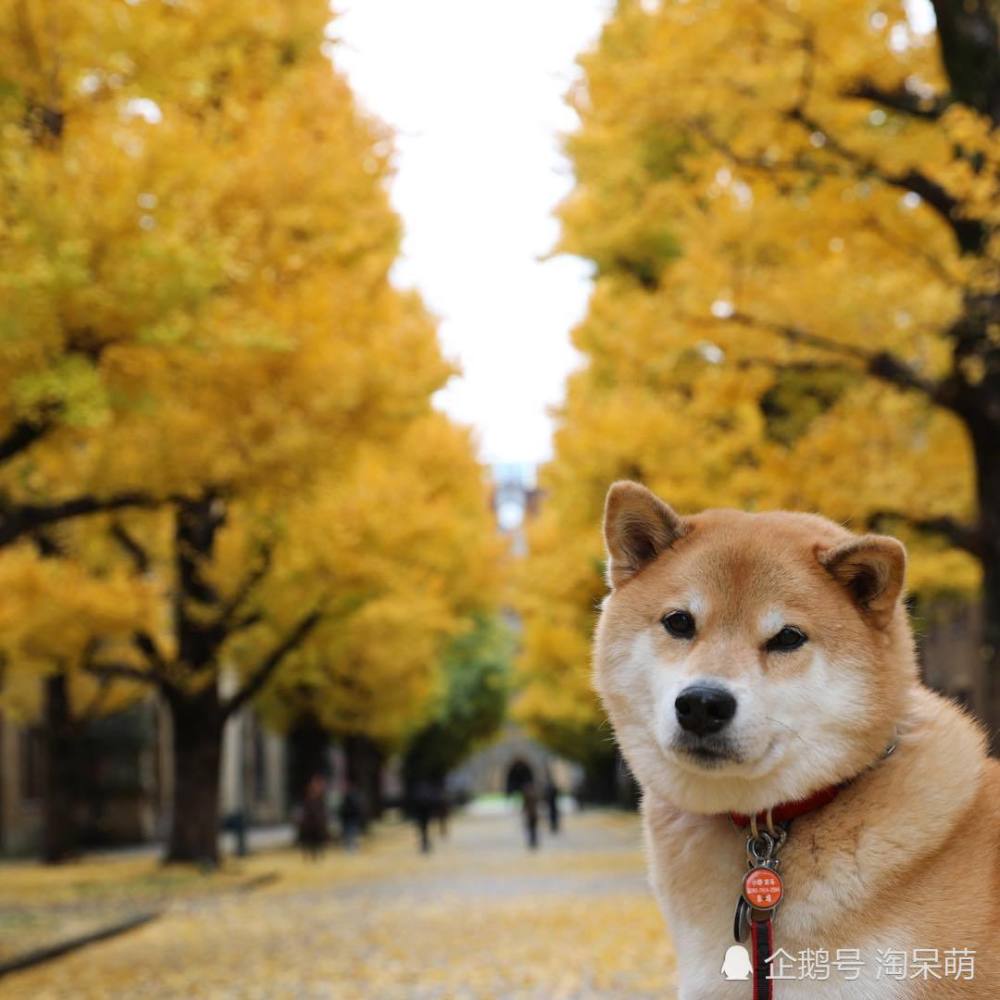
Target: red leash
[(762, 948)]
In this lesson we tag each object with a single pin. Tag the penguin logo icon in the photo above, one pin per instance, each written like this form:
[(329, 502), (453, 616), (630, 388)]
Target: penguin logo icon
[(737, 963)]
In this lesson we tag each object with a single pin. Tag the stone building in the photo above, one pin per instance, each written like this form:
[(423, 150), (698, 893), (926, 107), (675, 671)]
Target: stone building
[(506, 765)]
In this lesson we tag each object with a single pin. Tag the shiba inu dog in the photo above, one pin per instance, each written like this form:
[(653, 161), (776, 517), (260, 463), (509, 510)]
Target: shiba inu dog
[(759, 670)]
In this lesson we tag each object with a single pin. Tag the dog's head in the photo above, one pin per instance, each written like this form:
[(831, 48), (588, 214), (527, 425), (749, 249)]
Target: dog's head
[(748, 659)]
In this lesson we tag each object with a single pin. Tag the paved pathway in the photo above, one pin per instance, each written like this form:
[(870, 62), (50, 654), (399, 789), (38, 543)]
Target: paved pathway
[(478, 918), (259, 838)]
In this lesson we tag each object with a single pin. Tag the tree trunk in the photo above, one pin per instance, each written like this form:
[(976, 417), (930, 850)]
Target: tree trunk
[(364, 770), (197, 753), (968, 36), (986, 446), (59, 835)]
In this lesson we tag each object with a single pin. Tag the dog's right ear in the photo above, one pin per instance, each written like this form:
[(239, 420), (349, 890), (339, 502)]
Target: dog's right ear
[(638, 526), (871, 568)]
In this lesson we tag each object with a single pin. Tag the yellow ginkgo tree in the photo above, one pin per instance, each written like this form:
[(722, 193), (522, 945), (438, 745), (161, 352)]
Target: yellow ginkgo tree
[(792, 211), (199, 333)]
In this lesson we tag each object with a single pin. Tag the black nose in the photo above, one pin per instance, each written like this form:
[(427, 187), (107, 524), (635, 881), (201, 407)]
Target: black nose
[(703, 709)]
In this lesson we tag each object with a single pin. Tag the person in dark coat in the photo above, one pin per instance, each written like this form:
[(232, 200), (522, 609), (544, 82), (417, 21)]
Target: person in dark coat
[(314, 831), (529, 810), (423, 806)]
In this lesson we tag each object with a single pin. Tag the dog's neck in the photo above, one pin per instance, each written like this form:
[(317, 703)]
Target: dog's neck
[(785, 812)]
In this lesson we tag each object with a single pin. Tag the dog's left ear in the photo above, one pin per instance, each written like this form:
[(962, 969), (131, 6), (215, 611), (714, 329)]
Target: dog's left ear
[(871, 568), (638, 526)]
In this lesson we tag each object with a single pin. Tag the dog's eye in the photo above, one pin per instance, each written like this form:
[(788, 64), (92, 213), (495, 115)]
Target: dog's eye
[(786, 640), (680, 624)]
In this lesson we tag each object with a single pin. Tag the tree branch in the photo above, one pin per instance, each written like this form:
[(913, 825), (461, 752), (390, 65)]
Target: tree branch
[(883, 365), (21, 437), (47, 546), (255, 683), (970, 233), (911, 251), (247, 621), (966, 537), (246, 588), (802, 367), (17, 520), (890, 368), (803, 162), (797, 335), (902, 100), (146, 645), (134, 550)]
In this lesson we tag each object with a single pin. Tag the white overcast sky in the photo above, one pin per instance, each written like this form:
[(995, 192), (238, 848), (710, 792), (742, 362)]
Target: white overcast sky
[(475, 92)]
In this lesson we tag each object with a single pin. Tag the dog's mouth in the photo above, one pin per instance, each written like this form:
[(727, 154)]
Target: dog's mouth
[(708, 753)]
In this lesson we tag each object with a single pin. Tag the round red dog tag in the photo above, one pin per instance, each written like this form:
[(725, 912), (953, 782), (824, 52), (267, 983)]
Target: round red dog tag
[(762, 888)]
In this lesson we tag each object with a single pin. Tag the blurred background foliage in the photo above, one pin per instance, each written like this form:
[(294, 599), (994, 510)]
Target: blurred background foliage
[(791, 209), (203, 352), (223, 481)]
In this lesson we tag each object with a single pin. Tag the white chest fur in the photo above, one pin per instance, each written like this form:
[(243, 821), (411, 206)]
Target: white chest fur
[(696, 870)]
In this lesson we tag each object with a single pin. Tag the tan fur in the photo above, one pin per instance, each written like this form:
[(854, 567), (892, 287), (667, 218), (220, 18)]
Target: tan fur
[(908, 856)]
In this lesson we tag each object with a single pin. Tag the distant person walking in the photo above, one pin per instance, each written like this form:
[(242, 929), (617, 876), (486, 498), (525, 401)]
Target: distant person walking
[(529, 810), (314, 831), (423, 807), (552, 802), (351, 816)]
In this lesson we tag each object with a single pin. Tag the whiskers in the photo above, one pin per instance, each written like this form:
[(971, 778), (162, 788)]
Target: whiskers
[(784, 725)]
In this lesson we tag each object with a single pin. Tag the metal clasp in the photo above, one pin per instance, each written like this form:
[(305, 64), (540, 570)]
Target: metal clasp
[(763, 848)]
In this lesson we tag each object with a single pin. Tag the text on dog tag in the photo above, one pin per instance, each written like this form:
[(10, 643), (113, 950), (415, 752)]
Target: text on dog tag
[(762, 888)]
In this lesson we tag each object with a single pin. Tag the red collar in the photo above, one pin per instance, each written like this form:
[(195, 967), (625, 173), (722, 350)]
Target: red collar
[(786, 811)]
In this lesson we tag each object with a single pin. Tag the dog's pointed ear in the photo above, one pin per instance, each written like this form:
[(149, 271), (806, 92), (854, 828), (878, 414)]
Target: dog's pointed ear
[(872, 569), (638, 526)]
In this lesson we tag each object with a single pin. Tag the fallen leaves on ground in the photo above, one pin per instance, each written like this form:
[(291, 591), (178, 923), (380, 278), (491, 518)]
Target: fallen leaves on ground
[(41, 905), (478, 918)]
